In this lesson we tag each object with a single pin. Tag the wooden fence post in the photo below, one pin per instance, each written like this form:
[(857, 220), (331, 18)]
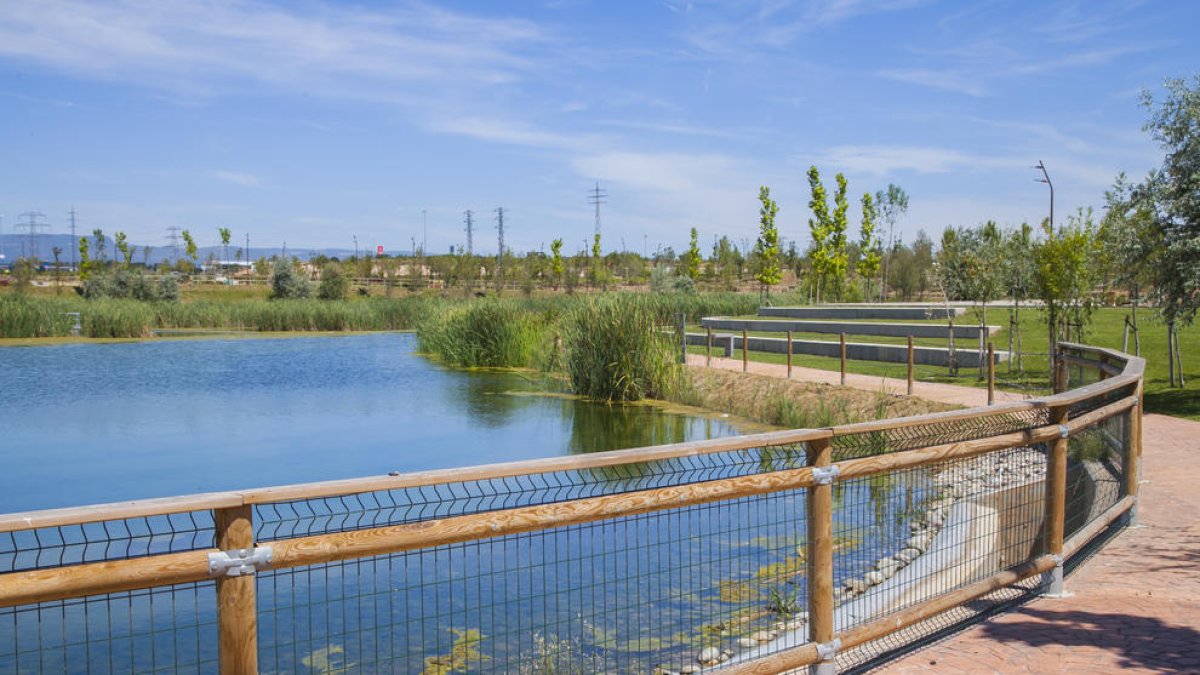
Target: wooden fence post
[(820, 553), (1056, 498), (910, 365), (745, 352), (683, 339), (1133, 455), (708, 349), (237, 611), (843, 338), (789, 354), (991, 372)]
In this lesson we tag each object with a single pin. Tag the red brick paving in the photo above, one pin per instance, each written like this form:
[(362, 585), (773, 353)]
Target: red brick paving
[(1134, 607)]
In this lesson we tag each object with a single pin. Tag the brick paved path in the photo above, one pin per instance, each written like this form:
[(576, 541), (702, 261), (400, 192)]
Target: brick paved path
[(1135, 606)]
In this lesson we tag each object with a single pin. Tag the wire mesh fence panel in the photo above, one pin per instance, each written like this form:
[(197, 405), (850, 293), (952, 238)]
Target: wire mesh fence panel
[(50, 547), (623, 595), (407, 505), (911, 437), (1096, 471), (162, 630), (960, 522)]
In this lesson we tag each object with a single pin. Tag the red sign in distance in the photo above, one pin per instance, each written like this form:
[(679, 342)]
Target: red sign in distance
[(379, 250)]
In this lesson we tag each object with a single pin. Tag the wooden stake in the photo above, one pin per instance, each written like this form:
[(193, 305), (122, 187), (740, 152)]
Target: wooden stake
[(745, 352), (708, 349), (237, 614), (843, 359), (789, 354), (910, 365), (820, 547), (991, 373)]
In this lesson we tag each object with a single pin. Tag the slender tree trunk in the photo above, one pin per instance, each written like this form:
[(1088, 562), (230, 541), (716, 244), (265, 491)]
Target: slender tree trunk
[(1137, 338), (1171, 353)]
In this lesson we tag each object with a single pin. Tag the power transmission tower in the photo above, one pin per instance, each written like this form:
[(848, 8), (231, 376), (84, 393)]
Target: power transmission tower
[(597, 197), (500, 252), (469, 220), (173, 238), (74, 241), (32, 225)]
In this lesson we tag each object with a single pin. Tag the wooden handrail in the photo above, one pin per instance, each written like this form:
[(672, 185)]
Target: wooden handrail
[(1129, 377)]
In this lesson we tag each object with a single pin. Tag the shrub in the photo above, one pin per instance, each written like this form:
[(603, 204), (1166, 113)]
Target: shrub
[(334, 284), (128, 285), (288, 283)]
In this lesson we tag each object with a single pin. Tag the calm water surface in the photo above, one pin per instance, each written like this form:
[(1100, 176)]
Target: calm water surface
[(86, 424), (95, 423)]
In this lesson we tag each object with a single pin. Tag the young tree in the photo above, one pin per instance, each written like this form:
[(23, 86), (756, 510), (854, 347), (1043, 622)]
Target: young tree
[(766, 248), (892, 204), (596, 262), (85, 261), (818, 227), (122, 245), (1064, 272), (556, 262), (101, 244), (691, 259), (190, 248), (868, 243), (1018, 279), (828, 251), (57, 252), (225, 235), (839, 226)]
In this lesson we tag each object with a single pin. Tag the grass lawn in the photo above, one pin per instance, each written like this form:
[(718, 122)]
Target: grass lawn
[(1105, 330)]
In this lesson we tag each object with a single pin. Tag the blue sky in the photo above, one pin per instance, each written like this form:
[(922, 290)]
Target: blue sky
[(312, 122)]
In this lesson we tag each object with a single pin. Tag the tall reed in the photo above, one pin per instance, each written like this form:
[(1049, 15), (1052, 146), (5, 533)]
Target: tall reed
[(616, 350)]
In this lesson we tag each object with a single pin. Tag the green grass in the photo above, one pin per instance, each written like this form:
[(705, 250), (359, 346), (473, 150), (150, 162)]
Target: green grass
[(1105, 330)]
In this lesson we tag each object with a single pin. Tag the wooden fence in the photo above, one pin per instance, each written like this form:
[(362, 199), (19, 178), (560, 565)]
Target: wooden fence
[(1077, 450)]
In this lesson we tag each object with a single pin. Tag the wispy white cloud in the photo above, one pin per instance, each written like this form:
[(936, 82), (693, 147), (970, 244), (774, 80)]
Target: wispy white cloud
[(200, 48), (238, 178), (948, 80)]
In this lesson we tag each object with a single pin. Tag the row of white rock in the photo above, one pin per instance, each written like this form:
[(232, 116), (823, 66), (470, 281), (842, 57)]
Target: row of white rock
[(968, 478)]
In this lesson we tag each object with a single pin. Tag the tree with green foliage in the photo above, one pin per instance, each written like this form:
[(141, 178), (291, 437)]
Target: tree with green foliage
[(556, 262), (726, 262), (1065, 269), (892, 204), (122, 244), (868, 243), (190, 248), (1017, 266), (828, 252), (1174, 191), (225, 234), (334, 283), (595, 263), (692, 259), (766, 248), (287, 282), (85, 259), (101, 245)]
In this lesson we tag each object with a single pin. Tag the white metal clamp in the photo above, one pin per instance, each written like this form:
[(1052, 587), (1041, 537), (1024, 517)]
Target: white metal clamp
[(238, 562), (825, 475)]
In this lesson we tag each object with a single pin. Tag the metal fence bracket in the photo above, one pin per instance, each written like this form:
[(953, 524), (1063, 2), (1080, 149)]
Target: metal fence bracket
[(1064, 431), (827, 652), (238, 562), (825, 475)]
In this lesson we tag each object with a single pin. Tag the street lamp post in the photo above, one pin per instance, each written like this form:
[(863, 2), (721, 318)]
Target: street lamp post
[(1046, 179)]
